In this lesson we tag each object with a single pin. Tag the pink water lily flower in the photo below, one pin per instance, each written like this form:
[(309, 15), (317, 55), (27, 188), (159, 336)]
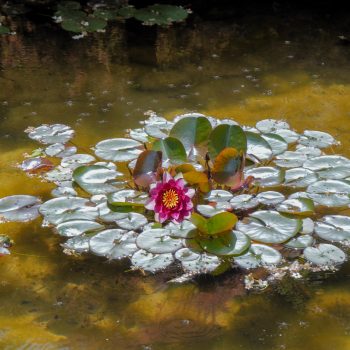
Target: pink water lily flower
[(170, 199)]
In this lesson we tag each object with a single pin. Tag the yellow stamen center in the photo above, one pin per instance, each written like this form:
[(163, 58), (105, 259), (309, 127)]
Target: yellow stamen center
[(170, 199)]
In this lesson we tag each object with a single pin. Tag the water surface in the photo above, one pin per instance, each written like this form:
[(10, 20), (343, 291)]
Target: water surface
[(295, 69)]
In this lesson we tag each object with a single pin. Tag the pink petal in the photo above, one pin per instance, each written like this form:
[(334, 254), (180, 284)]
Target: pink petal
[(191, 192)]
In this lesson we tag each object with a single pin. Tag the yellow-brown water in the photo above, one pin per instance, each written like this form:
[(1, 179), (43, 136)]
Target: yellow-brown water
[(100, 86)]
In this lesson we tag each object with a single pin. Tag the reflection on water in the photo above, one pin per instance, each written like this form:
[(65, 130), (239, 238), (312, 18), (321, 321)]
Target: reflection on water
[(292, 69)]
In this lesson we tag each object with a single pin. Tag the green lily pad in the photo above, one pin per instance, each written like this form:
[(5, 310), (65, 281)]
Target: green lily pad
[(114, 243), (205, 263), (158, 241), (288, 135), (257, 147), (326, 162), (181, 230), (193, 132), (151, 262), (244, 202), (258, 254), (216, 224), (277, 143), (269, 227), (325, 254), (300, 242), (300, 207), (95, 179), (209, 210), (132, 221), (4, 29), (160, 14), (271, 125), (19, 208), (172, 150), (58, 210), (317, 139), (270, 198), (226, 136), (186, 254), (290, 159), (334, 228), (299, 177), (218, 196), (335, 173), (77, 227), (118, 150), (228, 244), (49, 134), (266, 176)]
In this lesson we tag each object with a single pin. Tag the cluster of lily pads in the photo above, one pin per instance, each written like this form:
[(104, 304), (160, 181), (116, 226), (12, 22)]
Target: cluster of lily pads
[(223, 195), (76, 19)]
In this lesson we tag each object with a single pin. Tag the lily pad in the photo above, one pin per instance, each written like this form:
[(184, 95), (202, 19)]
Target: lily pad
[(271, 125), (172, 149), (326, 162), (118, 150), (60, 150), (299, 177), (209, 210), (77, 160), (300, 242), (58, 210), (50, 134), (205, 263), (334, 228), (78, 244), (270, 198), (317, 139), (158, 241), (325, 254), (290, 159), (277, 143), (288, 135), (218, 196), (180, 230), (269, 227), (266, 176), (151, 262), (300, 207), (132, 221), (228, 244), (258, 147), (77, 227), (95, 179), (114, 243), (19, 208), (244, 202)]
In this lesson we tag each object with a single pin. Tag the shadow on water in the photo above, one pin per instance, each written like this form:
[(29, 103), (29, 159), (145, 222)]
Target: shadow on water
[(254, 67)]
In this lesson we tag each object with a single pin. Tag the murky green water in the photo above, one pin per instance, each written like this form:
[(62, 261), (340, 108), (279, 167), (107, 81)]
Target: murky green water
[(293, 69)]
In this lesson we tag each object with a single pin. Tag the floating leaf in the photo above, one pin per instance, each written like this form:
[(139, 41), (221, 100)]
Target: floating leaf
[(333, 193), (60, 150), (300, 242), (63, 209), (271, 125), (270, 197), (307, 226), (326, 162), (317, 139), (118, 150), (160, 14), (228, 244), (76, 160), (181, 230), (277, 143), (226, 136), (49, 134), (197, 178), (300, 207), (36, 165), (290, 159), (299, 177), (193, 132), (244, 202), (269, 227), (77, 227), (186, 254), (266, 176), (151, 262), (95, 179), (20, 208), (258, 254), (114, 243), (288, 135), (147, 168), (78, 244), (4, 30), (209, 210), (335, 173), (258, 147), (139, 135), (205, 263), (127, 11), (218, 223), (126, 200), (228, 168), (325, 254), (132, 221), (218, 196), (158, 241), (334, 228), (172, 150)]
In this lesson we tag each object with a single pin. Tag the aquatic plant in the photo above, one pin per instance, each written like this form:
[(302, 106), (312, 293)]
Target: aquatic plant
[(199, 193)]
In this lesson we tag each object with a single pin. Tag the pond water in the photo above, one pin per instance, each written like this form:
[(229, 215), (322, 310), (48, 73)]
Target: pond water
[(294, 69)]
